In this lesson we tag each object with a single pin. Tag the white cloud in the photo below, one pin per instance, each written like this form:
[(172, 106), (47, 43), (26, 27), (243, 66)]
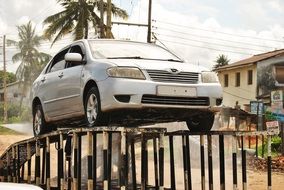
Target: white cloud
[(21, 5), (254, 18), (201, 46), (276, 5), (23, 20), (3, 25)]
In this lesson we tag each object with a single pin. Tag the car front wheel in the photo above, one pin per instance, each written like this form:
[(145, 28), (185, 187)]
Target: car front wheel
[(92, 106), (39, 124), (201, 123)]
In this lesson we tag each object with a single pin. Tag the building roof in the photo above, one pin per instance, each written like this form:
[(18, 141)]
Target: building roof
[(253, 60)]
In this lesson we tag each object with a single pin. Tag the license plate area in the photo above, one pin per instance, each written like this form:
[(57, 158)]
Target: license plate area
[(176, 91)]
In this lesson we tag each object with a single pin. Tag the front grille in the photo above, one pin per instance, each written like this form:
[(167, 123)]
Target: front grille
[(165, 76), (184, 101)]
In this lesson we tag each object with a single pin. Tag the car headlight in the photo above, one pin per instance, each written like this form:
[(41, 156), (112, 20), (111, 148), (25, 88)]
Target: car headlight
[(209, 77), (126, 72)]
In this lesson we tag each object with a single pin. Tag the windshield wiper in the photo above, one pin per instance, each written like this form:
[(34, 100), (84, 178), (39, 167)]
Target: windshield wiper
[(126, 57), (173, 60), (138, 57)]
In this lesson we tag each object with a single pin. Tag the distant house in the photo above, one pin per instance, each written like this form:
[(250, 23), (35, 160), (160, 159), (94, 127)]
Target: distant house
[(252, 78), (14, 93)]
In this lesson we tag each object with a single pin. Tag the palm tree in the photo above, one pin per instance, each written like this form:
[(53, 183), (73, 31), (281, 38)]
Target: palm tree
[(32, 60), (221, 60), (76, 18)]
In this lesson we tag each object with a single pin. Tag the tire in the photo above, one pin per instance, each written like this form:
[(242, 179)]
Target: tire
[(39, 124), (201, 123), (92, 105)]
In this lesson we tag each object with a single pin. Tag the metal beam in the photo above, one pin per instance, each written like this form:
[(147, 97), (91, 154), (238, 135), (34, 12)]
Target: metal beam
[(130, 24)]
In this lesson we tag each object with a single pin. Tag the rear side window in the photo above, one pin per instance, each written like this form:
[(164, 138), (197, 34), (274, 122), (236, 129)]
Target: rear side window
[(58, 62)]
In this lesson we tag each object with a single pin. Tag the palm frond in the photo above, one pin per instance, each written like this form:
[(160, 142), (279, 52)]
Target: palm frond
[(118, 12), (66, 28), (11, 42), (17, 57)]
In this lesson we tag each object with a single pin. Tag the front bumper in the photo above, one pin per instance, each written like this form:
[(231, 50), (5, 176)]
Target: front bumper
[(135, 89)]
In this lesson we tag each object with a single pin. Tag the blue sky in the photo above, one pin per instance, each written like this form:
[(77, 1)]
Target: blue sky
[(198, 30)]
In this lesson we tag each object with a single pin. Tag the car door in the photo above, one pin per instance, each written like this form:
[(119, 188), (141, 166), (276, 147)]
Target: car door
[(71, 90), (51, 87)]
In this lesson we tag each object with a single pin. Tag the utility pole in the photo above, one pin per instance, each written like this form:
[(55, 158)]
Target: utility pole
[(5, 82), (148, 25), (108, 29), (149, 21), (102, 30)]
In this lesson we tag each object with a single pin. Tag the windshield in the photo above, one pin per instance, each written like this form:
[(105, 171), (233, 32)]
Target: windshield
[(132, 50)]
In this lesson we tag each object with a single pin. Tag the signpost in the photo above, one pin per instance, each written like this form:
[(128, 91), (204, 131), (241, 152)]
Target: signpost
[(256, 107), (272, 126), (277, 108)]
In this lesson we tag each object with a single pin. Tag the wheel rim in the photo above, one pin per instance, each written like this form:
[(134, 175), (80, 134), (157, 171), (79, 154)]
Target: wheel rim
[(92, 109), (37, 122)]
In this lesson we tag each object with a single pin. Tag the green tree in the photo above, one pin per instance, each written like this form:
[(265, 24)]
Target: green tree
[(76, 18), (32, 60), (265, 80), (11, 77), (221, 60)]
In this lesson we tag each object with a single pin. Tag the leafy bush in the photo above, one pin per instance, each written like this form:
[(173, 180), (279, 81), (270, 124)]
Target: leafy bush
[(14, 119), (26, 114), (276, 143), (269, 116), (275, 146), (15, 114)]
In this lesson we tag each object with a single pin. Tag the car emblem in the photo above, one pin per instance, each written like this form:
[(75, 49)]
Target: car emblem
[(174, 71)]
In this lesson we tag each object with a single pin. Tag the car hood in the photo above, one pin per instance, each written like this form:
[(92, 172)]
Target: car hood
[(158, 65), (14, 186)]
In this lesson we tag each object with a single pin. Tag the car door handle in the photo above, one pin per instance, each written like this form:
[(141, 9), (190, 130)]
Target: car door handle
[(43, 79), (61, 75)]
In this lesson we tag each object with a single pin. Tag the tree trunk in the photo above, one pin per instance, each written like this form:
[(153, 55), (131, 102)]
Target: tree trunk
[(86, 30), (108, 29), (102, 27)]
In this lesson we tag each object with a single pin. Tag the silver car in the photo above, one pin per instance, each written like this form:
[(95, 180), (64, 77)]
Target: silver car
[(114, 82)]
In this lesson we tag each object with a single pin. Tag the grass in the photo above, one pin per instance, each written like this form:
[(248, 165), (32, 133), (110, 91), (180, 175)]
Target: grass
[(6, 131)]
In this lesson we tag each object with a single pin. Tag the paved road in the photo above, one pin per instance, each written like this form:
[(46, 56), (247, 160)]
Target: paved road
[(25, 128)]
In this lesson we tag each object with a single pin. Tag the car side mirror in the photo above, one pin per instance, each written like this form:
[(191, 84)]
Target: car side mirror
[(73, 57)]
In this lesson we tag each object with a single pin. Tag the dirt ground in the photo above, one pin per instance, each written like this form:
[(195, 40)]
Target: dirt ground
[(7, 140)]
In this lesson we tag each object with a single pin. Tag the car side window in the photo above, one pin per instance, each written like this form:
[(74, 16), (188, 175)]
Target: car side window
[(75, 49), (58, 66), (58, 62)]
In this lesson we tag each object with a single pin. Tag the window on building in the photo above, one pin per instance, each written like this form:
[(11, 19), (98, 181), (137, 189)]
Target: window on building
[(226, 80), (250, 77), (238, 79), (16, 95), (279, 74)]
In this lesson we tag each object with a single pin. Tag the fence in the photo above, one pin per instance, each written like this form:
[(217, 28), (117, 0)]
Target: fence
[(32, 161)]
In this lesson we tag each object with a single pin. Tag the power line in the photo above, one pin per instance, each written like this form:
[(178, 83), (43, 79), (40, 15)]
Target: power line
[(6, 61), (132, 6), (236, 95), (215, 31), (212, 43), (203, 47), (212, 38)]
